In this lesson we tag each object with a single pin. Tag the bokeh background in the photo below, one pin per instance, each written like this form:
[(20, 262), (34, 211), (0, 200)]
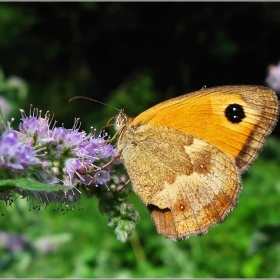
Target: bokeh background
[(132, 56)]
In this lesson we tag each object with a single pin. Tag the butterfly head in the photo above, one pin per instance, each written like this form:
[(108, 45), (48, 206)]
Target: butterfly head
[(121, 121)]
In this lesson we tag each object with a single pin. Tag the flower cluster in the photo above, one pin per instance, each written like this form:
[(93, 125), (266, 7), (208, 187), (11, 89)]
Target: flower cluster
[(52, 164), (54, 156), (68, 155), (57, 155)]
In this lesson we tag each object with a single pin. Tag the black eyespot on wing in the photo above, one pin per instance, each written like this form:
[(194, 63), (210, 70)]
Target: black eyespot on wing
[(235, 113)]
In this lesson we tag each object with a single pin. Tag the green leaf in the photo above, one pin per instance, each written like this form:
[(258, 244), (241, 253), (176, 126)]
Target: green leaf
[(29, 184)]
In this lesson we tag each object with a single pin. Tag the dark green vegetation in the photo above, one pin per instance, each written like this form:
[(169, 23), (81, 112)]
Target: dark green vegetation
[(131, 56)]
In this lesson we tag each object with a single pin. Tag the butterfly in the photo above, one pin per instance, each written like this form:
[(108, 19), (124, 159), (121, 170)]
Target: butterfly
[(185, 156)]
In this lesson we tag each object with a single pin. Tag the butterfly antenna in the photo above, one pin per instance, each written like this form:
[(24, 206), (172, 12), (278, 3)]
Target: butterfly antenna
[(94, 101), (108, 123)]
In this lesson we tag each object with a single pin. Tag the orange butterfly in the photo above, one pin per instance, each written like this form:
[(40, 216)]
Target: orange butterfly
[(185, 156)]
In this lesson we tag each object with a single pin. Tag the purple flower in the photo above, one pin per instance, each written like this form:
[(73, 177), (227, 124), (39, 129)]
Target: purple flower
[(73, 138), (273, 78), (72, 166), (56, 156), (65, 162), (16, 155), (9, 138), (29, 125), (102, 177)]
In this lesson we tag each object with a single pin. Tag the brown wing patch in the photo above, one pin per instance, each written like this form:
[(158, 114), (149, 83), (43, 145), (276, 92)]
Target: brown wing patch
[(187, 184)]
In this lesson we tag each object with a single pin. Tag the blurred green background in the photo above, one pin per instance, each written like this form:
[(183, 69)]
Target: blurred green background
[(132, 56)]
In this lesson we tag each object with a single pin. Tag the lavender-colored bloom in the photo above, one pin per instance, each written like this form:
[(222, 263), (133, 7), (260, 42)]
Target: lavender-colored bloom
[(273, 78), (72, 166), (102, 177), (73, 138), (57, 155), (57, 135), (9, 138), (15, 155), (29, 126), (105, 151), (35, 126), (67, 157), (28, 155)]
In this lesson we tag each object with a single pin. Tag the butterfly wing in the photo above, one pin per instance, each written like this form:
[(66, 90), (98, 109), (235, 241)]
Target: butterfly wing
[(187, 184), (209, 114)]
